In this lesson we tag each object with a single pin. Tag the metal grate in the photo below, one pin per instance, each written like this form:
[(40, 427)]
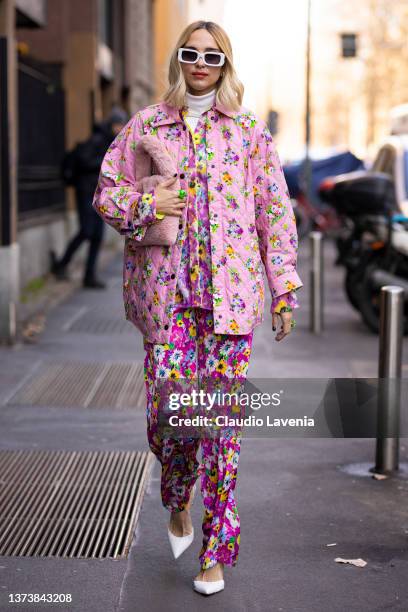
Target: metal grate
[(88, 385), (70, 504), (98, 321), (90, 324)]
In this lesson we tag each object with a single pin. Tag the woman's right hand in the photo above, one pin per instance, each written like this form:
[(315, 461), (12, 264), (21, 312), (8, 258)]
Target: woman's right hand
[(167, 200)]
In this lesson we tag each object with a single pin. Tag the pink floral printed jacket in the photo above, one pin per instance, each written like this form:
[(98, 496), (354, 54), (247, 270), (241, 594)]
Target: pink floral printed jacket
[(251, 219)]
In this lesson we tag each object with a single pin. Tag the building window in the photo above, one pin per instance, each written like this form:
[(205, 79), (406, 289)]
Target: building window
[(348, 45), (105, 22)]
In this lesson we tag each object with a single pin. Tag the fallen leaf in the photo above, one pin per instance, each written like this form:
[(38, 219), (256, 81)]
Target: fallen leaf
[(356, 562), (33, 328), (380, 476)]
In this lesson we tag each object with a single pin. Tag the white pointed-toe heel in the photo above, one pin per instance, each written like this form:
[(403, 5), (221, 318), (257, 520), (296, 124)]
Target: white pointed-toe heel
[(180, 543), (208, 588)]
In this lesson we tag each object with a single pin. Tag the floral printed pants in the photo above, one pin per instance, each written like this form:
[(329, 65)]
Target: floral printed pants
[(195, 350)]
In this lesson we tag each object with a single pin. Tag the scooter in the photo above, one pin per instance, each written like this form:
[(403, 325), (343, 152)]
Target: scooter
[(373, 245), (361, 200)]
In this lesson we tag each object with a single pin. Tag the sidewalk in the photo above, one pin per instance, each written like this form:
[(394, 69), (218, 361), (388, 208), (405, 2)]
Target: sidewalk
[(294, 495)]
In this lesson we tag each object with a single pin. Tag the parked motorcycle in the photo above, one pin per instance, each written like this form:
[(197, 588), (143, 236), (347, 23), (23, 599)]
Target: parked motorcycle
[(373, 242), (385, 265)]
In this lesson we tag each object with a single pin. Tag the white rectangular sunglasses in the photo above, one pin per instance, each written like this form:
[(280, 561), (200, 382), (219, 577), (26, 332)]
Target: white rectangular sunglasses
[(191, 56)]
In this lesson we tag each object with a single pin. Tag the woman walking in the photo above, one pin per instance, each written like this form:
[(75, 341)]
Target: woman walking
[(198, 301)]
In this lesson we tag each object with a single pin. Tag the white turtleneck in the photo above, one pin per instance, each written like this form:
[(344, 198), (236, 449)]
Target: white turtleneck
[(197, 105)]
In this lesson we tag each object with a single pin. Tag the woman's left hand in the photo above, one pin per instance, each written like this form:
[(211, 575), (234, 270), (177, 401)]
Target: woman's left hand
[(286, 324)]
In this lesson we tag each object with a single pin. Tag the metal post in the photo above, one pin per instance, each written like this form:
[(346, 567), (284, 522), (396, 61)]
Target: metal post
[(316, 282), (389, 378), (9, 247)]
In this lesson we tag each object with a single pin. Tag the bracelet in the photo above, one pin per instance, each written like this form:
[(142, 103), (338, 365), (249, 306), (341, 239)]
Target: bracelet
[(285, 309), (160, 215)]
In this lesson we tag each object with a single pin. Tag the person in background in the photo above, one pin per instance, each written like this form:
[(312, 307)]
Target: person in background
[(80, 169)]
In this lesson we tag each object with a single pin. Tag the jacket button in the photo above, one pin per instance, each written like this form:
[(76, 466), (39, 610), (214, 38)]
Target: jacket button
[(212, 165), (180, 225), (182, 175), (212, 117), (173, 276), (166, 326), (184, 128)]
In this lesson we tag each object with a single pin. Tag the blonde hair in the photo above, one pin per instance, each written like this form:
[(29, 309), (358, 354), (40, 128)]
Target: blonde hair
[(230, 90)]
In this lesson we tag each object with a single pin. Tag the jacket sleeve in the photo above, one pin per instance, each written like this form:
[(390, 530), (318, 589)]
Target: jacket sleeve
[(274, 217), (288, 300), (116, 198)]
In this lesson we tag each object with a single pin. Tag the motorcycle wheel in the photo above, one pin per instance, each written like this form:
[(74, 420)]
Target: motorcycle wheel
[(352, 281), (369, 302)]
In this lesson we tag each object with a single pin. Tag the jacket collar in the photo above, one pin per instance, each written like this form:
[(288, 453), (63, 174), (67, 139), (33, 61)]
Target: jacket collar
[(166, 114), (225, 111)]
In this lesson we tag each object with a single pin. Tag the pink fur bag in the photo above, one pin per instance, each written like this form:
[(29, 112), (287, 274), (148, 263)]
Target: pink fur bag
[(151, 156)]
